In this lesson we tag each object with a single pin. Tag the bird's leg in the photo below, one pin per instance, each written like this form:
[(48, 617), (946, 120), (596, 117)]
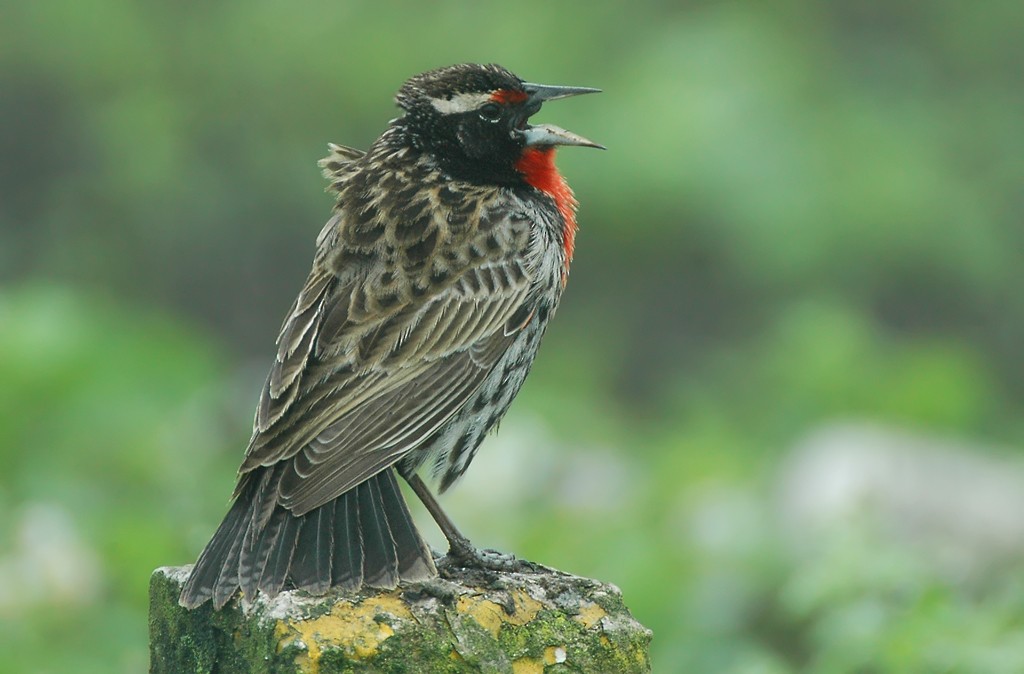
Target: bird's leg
[(460, 550), (457, 542)]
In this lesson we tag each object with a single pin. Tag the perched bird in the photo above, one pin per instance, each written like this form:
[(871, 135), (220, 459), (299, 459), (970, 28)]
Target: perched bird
[(431, 288)]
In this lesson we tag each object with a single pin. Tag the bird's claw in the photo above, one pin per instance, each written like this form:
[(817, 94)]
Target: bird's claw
[(468, 558), (489, 560)]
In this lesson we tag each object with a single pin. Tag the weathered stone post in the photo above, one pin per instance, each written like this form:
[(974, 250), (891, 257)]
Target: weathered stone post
[(539, 620)]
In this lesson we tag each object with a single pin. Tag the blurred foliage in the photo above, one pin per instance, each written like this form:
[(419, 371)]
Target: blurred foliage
[(112, 425), (810, 211)]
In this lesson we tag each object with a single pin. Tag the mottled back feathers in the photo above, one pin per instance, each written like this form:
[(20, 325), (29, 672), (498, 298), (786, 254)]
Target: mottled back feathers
[(412, 299)]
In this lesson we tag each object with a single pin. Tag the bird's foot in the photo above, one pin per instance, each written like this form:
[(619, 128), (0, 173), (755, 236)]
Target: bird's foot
[(487, 560), (462, 556)]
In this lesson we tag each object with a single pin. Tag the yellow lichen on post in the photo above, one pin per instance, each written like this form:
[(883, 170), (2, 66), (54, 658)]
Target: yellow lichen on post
[(590, 614), (486, 613), (491, 615), (525, 608), (355, 627), (554, 655), (527, 666), (512, 623)]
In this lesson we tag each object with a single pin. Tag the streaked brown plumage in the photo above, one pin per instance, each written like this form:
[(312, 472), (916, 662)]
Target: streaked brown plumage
[(430, 291)]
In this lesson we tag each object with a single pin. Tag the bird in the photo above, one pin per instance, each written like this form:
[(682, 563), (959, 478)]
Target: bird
[(432, 284)]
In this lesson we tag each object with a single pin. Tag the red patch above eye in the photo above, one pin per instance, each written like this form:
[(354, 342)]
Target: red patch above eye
[(509, 96)]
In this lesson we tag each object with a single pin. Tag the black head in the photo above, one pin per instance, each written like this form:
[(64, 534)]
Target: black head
[(473, 119)]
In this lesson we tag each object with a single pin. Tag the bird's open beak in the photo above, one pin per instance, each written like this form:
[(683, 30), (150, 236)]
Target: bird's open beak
[(548, 134), (543, 92)]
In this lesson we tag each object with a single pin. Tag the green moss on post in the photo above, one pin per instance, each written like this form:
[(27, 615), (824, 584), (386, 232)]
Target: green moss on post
[(521, 623)]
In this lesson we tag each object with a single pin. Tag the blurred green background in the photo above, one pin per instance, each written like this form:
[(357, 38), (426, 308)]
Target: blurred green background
[(779, 407)]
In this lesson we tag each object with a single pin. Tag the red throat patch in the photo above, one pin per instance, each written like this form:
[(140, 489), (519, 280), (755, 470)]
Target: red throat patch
[(538, 168)]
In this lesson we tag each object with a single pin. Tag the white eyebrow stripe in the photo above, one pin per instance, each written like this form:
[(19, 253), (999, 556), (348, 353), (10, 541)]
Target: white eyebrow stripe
[(460, 102)]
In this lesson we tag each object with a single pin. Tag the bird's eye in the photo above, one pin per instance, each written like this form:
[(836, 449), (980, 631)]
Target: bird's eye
[(491, 112)]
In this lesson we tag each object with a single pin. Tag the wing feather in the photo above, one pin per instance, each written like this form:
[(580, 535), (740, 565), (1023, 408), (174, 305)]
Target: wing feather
[(359, 381)]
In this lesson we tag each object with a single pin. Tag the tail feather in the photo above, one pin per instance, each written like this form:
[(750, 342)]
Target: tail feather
[(263, 501), (415, 562), (380, 560), (256, 551), (275, 575), (364, 537), (209, 567), (227, 581), (348, 543), (313, 551)]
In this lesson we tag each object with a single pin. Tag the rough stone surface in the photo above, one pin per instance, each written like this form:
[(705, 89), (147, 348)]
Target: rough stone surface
[(529, 622)]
